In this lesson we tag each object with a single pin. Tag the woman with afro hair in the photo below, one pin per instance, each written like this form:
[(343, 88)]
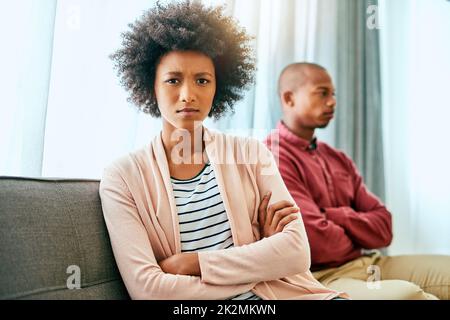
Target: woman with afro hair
[(198, 214)]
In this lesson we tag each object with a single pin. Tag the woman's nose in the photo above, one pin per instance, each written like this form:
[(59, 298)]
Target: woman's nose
[(187, 93)]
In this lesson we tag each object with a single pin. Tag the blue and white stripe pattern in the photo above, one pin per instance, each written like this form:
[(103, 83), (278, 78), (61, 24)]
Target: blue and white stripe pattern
[(202, 217)]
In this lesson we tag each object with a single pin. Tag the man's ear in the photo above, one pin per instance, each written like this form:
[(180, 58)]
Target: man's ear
[(288, 98)]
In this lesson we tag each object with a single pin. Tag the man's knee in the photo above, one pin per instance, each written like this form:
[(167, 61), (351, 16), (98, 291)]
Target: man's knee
[(405, 290)]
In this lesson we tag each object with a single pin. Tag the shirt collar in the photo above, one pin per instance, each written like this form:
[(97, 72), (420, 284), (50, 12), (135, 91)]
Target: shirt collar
[(294, 139)]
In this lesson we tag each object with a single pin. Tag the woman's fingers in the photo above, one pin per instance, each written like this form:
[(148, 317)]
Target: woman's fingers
[(273, 218), (275, 207), (263, 208), (285, 221), (281, 214)]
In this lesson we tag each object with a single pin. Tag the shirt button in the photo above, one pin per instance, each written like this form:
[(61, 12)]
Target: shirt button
[(324, 223)]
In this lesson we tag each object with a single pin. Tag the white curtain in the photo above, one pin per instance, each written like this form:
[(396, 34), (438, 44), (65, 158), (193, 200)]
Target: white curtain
[(416, 78), (26, 33)]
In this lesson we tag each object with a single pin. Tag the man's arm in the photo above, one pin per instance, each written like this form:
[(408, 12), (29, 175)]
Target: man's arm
[(329, 241), (368, 222)]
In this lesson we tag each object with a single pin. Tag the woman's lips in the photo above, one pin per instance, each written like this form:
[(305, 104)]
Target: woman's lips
[(188, 111)]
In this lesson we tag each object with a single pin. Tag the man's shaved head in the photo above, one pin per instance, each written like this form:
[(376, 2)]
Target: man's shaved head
[(307, 95), (296, 75)]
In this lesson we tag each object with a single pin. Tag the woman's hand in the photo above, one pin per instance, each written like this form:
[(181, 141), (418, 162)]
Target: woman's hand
[(181, 263), (274, 218)]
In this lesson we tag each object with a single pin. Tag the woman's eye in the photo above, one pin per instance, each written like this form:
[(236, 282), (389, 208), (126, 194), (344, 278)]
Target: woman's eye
[(172, 81), (202, 81)]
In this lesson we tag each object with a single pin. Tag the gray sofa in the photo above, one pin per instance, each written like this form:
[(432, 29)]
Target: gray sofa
[(53, 239)]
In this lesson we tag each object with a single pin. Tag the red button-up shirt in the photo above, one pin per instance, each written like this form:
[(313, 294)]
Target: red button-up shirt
[(341, 216)]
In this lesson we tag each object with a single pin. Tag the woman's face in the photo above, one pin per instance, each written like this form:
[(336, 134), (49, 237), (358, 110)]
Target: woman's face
[(185, 85)]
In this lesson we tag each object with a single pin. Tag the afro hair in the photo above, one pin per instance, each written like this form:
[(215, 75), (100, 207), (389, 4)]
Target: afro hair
[(187, 25)]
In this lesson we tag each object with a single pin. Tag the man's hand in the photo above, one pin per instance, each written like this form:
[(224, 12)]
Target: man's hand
[(273, 219), (182, 263)]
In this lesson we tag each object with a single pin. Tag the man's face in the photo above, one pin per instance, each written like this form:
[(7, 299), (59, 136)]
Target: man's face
[(315, 101), (185, 85)]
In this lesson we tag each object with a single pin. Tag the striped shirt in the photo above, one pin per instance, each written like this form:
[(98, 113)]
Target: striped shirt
[(202, 217)]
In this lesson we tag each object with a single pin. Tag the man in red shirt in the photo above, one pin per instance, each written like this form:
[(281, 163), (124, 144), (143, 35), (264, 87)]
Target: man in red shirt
[(343, 219)]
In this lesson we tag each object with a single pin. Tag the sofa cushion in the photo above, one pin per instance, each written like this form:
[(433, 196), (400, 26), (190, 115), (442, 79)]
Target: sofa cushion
[(52, 230)]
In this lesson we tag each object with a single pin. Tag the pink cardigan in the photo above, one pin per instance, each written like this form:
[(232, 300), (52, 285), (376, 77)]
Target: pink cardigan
[(141, 217)]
